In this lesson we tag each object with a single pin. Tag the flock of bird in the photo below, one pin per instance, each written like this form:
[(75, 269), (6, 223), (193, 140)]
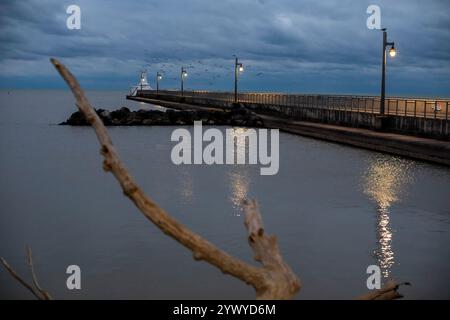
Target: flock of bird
[(206, 69)]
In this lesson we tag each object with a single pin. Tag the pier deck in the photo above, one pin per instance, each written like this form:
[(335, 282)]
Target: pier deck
[(407, 145)]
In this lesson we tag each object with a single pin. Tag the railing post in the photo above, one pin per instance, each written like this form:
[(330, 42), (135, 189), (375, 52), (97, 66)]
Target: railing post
[(425, 109), (435, 108), (446, 111)]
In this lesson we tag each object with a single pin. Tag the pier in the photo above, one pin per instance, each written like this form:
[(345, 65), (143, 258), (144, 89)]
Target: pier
[(411, 127)]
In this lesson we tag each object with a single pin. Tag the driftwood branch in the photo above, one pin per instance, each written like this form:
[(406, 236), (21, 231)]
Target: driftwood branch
[(274, 280), (283, 282), (44, 293), (36, 290), (388, 292)]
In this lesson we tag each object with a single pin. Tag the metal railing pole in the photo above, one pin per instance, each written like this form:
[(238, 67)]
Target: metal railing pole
[(446, 111)]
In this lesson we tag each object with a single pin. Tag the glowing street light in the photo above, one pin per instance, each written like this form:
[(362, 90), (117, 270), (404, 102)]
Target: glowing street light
[(184, 74), (392, 53), (238, 67), (158, 77)]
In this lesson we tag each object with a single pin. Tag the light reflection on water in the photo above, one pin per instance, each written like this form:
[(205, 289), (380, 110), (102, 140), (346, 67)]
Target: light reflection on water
[(239, 178), (385, 182), (239, 181)]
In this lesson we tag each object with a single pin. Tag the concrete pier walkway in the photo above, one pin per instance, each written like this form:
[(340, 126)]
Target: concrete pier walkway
[(426, 149)]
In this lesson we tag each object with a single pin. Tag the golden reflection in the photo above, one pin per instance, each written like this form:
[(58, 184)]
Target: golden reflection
[(385, 182), (239, 179), (384, 252), (240, 143), (239, 188)]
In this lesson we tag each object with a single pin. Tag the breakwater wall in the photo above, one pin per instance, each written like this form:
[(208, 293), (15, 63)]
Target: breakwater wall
[(421, 118)]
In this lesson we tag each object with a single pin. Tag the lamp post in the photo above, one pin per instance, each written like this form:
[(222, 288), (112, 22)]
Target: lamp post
[(184, 74), (158, 77), (392, 53), (238, 67)]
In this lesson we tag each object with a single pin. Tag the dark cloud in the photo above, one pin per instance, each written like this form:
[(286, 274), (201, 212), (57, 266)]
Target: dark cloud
[(295, 45)]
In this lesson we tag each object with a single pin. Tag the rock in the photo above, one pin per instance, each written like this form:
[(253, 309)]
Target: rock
[(76, 119), (124, 117), (147, 122)]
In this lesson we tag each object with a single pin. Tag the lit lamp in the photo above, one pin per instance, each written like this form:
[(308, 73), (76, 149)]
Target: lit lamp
[(392, 54), (184, 74), (158, 78), (238, 67)]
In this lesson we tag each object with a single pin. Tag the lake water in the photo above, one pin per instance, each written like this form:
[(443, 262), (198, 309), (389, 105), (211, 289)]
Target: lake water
[(335, 210)]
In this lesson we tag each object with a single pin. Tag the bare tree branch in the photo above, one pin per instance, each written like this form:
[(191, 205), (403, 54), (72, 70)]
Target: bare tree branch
[(38, 292), (387, 292), (274, 280), (283, 282), (44, 293)]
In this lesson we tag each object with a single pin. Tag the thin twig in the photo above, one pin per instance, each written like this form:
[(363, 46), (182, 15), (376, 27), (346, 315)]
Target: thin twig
[(16, 276), (44, 293)]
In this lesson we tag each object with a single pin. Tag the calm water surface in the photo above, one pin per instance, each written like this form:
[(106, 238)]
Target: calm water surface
[(335, 210)]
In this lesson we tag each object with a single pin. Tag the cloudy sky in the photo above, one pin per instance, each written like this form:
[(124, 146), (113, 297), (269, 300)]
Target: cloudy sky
[(316, 46)]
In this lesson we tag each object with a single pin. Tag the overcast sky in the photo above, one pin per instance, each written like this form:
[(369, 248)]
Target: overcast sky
[(317, 46)]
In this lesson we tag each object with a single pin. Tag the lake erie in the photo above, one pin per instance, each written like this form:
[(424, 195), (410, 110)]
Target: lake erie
[(335, 210)]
